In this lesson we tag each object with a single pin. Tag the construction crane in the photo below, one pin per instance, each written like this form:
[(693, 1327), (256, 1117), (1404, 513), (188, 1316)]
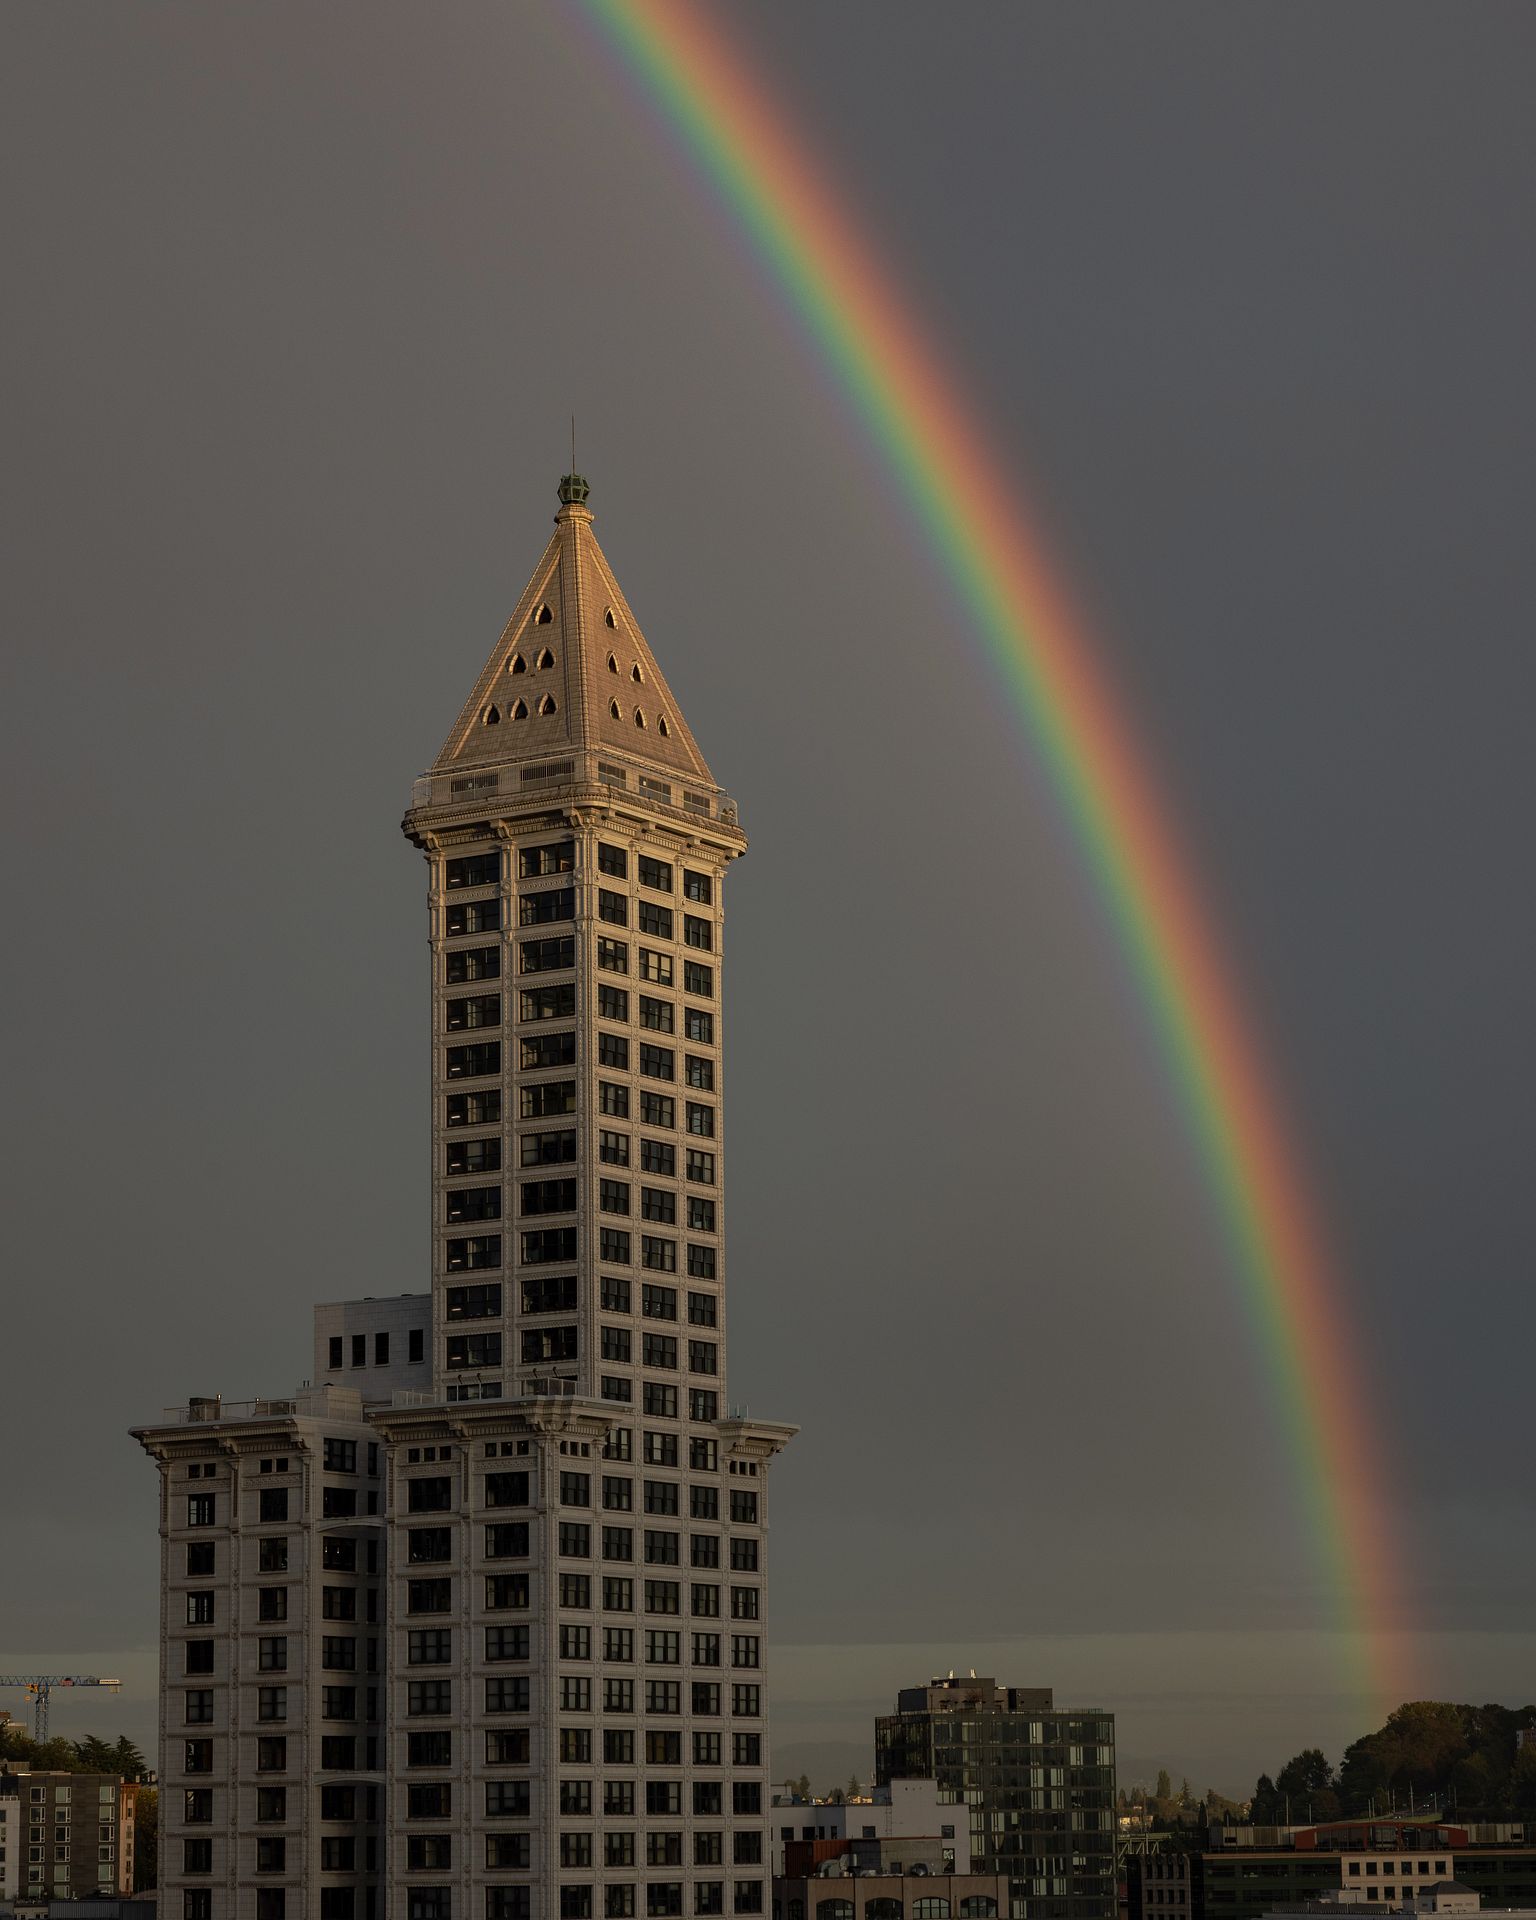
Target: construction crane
[(41, 1685)]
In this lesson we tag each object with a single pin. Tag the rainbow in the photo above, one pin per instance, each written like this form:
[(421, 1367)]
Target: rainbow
[(962, 500)]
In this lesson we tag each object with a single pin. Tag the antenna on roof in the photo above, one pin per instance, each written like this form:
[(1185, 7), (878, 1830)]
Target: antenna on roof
[(573, 443)]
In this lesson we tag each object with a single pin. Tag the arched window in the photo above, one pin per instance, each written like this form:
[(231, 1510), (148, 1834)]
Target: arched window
[(635, 673), (662, 727), (492, 715), (613, 665), (639, 718), (613, 709), (520, 711), (517, 664), (930, 1909), (543, 617), (547, 704), (834, 1910), (882, 1910), (979, 1906), (545, 659), (608, 619)]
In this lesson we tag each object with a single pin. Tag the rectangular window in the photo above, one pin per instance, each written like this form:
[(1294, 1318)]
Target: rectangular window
[(656, 967), (472, 916), (705, 1601), (661, 1404), (613, 1051), (473, 1350), (701, 1120), (743, 1507), (537, 1051), (273, 1504), (547, 1003), (655, 920), (702, 1356), (546, 1149), (612, 860), (658, 1350), (507, 1747), (697, 933), (547, 956), (548, 1098), (575, 1539), (200, 1606), (474, 870), (508, 1694), (702, 1310), (613, 955), (612, 907), (658, 1110), (542, 909), (616, 1345), (429, 1696), (658, 1303), (700, 1026), (701, 1072), (612, 1002), (473, 1062), (698, 887), (429, 1646), (613, 1247), (656, 1063), (659, 1156), (656, 1014), (658, 1203), (547, 1196), (545, 1244), (481, 1109), (478, 1010), (554, 856), (662, 1549), (473, 963), (701, 1167), (474, 1203), (660, 1255), (479, 1302), (613, 1151), (200, 1509), (614, 1295), (613, 1099), (549, 1343), (703, 1404), (699, 979), (704, 1502), (656, 874)]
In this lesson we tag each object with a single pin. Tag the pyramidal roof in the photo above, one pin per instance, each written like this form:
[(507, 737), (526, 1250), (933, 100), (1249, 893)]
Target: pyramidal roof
[(572, 671)]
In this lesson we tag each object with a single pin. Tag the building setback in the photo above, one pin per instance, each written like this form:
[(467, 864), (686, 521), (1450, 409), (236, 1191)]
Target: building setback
[(1037, 1781), (557, 1603)]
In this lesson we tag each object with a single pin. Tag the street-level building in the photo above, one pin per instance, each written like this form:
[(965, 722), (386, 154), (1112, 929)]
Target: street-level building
[(873, 1895), (899, 1811)]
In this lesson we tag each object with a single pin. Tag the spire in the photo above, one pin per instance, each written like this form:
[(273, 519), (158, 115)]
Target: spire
[(572, 672)]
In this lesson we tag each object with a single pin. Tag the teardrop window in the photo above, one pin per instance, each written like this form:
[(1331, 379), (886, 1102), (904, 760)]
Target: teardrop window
[(493, 716), (547, 704), (543, 617), (635, 673), (608, 619), (545, 659), (517, 664), (613, 665), (639, 718), (661, 726), (520, 711), (613, 708)]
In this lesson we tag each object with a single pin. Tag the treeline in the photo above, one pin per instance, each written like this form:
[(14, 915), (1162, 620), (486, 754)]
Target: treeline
[(72, 1756), (1430, 1755)]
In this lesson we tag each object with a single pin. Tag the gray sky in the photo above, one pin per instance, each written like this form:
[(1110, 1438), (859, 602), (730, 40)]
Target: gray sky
[(298, 302)]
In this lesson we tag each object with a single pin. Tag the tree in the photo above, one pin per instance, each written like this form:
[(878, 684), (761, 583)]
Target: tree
[(146, 1838), (95, 1755), (853, 1789), (127, 1760), (803, 1786), (1164, 1788), (1264, 1808)]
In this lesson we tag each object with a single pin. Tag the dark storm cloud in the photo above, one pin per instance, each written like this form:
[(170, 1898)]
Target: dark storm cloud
[(300, 300)]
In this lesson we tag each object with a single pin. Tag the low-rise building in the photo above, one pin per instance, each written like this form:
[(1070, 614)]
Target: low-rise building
[(838, 1893), (902, 1810)]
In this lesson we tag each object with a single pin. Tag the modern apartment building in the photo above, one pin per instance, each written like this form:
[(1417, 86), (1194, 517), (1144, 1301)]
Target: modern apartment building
[(64, 1836), (555, 1594), (1037, 1782)]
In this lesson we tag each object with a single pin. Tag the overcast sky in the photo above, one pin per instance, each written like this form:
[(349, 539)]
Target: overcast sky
[(298, 302)]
